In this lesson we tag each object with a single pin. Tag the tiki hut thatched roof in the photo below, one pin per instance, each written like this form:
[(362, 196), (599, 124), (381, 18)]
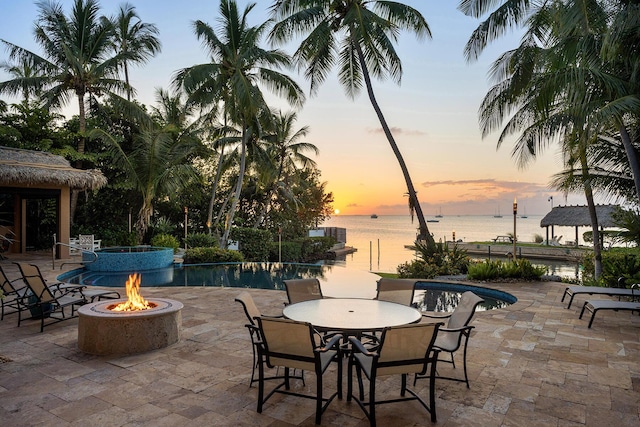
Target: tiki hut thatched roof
[(578, 216), (33, 168)]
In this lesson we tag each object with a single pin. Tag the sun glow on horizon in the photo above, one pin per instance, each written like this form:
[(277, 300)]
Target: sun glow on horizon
[(336, 212)]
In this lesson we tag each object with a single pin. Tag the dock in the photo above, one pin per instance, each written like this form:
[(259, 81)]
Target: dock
[(564, 253)]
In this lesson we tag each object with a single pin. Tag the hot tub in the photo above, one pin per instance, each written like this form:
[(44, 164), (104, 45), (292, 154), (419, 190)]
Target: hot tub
[(129, 258)]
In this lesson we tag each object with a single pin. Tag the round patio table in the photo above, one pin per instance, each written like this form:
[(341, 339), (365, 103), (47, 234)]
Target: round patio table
[(351, 315)]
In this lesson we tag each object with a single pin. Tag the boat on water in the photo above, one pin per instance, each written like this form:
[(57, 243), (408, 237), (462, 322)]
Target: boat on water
[(433, 220), (439, 214), (497, 215), (374, 216)]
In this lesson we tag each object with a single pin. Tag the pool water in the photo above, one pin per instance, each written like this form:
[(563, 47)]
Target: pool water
[(336, 281)]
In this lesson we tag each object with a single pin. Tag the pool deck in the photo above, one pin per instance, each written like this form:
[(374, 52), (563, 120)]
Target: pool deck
[(531, 364)]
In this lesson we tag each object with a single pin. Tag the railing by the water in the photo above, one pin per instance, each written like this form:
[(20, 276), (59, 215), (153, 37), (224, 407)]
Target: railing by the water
[(78, 248)]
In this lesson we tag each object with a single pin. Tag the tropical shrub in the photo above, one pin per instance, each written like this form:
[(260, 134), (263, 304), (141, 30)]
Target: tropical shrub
[(211, 255), (254, 244), (165, 241), (290, 251), (518, 269), (537, 238), (417, 269), (438, 261), (616, 263), (201, 240), (163, 225)]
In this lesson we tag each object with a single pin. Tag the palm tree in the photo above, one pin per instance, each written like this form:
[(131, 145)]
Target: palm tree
[(24, 72), (159, 165), (238, 64), (77, 61), (358, 35), (135, 38), (286, 154), (554, 87)]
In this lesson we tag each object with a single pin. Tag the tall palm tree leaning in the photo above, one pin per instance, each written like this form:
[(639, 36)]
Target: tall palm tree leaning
[(358, 35), (137, 39), (238, 64), (77, 61)]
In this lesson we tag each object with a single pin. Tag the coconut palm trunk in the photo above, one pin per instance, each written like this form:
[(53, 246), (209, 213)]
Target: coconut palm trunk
[(632, 156), (236, 196), (588, 192), (423, 230)]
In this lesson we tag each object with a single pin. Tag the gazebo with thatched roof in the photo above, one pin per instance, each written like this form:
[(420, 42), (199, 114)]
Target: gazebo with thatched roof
[(577, 216), (26, 174)]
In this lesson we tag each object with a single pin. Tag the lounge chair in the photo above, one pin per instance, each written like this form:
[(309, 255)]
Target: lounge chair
[(252, 312), (594, 306), (403, 350), (574, 290), (45, 301), (31, 272), (292, 345), (449, 338), (400, 291), (299, 290), (14, 294)]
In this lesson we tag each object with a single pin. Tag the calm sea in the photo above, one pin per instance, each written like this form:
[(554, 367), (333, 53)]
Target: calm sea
[(380, 242)]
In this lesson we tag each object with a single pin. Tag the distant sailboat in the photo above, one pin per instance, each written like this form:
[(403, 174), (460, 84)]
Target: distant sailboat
[(524, 215), (374, 216), (497, 215), (439, 214)]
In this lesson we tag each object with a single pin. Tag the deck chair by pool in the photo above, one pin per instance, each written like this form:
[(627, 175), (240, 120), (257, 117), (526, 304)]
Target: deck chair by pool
[(252, 312), (299, 290), (593, 306), (450, 337), (572, 291), (49, 302), (403, 350), (31, 272), (400, 291), (292, 345), (14, 292)]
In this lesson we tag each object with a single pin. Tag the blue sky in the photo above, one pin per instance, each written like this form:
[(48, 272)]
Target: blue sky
[(433, 114)]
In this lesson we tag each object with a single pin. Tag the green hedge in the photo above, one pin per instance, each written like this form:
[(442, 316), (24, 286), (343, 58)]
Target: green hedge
[(201, 240), (211, 255), (254, 243), (616, 263)]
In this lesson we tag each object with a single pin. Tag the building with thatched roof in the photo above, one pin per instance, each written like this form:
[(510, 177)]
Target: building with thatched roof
[(29, 175), (577, 216)]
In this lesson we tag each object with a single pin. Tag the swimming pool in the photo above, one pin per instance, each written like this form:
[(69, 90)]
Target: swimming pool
[(336, 281)]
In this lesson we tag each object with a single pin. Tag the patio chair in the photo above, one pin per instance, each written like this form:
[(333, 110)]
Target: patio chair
[(32, 272), (252, 312), (45, 301), (403, 350), (573, 290), (593, 306), (299, 290), (13, 294), (400, 291), (42, 292), (450, 337), (292, 345)]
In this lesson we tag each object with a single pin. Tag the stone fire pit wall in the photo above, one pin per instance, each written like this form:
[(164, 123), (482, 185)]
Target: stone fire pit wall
[(105, 332)]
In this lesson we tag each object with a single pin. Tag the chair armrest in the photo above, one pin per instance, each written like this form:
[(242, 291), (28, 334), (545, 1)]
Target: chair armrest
[(331, 344), (434, 316), (464, 328), (357, 345)]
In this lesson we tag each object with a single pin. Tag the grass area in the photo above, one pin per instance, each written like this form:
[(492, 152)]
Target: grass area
[(387, 275)]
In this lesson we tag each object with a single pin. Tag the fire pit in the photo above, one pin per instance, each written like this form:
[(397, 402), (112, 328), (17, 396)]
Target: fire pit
[(129, 326)]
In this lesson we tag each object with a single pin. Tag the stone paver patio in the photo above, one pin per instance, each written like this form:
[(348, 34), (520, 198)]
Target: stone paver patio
[(532, 364)]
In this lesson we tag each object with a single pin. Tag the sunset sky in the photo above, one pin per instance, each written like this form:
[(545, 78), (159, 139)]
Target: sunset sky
[(433, 114)]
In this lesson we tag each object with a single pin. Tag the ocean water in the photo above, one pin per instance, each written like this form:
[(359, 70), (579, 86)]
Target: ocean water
[(381, 242)]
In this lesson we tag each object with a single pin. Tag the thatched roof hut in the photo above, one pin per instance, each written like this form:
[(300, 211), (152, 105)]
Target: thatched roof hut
[(26, 175), (577, 216), (35, 168)]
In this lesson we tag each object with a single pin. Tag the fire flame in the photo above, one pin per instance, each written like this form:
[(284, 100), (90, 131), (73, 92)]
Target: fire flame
[(135, 301)]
